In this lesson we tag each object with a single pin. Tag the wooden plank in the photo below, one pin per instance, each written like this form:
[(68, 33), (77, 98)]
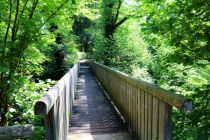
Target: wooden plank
[(119, 83), (173, 99), (95, 114), (128, 105), (139, 114), (149, 123), (155, 115), (119, 87), (135, 104), (146, 116), (168, 124), (127, 100), (49, 125), (162, 114), (123, 86), (133, 109), (136, 115), (142, 116)]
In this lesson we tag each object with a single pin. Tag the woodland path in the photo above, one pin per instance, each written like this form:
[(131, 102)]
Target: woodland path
[(93, 113)]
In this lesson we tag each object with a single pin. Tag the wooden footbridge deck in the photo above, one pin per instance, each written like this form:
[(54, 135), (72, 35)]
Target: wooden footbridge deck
[(77, 104), (92, 111)]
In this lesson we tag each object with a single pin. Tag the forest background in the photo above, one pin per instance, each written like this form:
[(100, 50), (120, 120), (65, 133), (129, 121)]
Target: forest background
[(165, 42)]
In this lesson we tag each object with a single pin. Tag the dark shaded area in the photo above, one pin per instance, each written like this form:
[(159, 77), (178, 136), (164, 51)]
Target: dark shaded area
[(81, 23), (55, 67)]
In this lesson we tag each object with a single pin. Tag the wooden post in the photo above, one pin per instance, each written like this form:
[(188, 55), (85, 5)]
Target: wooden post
[(49, 125), (168, 124)]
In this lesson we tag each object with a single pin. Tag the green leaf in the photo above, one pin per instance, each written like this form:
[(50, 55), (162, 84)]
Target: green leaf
[(4, 69), (203, 62), (73, 2)]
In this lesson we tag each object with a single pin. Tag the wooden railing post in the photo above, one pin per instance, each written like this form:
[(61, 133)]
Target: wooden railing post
[(49, 125), (147, 109)]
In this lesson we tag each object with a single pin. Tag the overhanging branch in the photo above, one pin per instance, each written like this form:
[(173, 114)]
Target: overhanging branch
[(120, 22), (117, 14), (54, 13)]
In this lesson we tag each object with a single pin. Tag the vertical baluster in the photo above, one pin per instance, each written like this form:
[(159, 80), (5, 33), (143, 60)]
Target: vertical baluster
[(139, 113), (142, 116), (149, 132), (162, 113), (155, 114), (146, 116)]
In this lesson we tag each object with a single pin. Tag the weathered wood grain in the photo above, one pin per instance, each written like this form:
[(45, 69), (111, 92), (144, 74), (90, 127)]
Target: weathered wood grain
[(16, 132), (92, 111), (176, 100), (145, 107), (155, 118), (56, 105)]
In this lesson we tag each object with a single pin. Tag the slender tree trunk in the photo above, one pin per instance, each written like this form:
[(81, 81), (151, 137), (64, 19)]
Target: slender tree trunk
[(4, 107), (111, 23)]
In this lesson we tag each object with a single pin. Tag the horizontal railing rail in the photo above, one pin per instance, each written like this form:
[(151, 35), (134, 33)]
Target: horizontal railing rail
[(56, 105), (16, 132), (145, 107)]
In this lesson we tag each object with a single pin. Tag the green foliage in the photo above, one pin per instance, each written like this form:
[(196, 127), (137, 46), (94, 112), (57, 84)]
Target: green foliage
[(24, 38), (165, 42), (130, 53), (22, 107), (178, 35)]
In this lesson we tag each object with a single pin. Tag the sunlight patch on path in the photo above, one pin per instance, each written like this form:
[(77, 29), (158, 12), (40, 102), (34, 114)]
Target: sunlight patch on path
[(88, 136)]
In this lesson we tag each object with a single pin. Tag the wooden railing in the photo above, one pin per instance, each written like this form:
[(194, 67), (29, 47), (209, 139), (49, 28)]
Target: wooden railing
[(145, 107), (16, 132), (56, 106)]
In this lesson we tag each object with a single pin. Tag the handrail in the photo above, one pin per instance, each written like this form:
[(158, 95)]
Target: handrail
[(16, 132), (56, 105), (146, 108), (176, 100)]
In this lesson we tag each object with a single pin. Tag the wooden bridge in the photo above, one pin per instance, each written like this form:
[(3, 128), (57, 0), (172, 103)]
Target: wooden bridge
[(94, 99)]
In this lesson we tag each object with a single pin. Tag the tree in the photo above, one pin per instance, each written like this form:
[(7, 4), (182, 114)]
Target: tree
[(111, 21), (23, 24), (178, 36)]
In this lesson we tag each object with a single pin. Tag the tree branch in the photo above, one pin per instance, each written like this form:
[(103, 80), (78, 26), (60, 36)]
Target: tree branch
[(8, 25), (33, 9), (4, 19), (120, 22), (14, 29), (6, 34), (54, 13), (24, 6), (117, 14)]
